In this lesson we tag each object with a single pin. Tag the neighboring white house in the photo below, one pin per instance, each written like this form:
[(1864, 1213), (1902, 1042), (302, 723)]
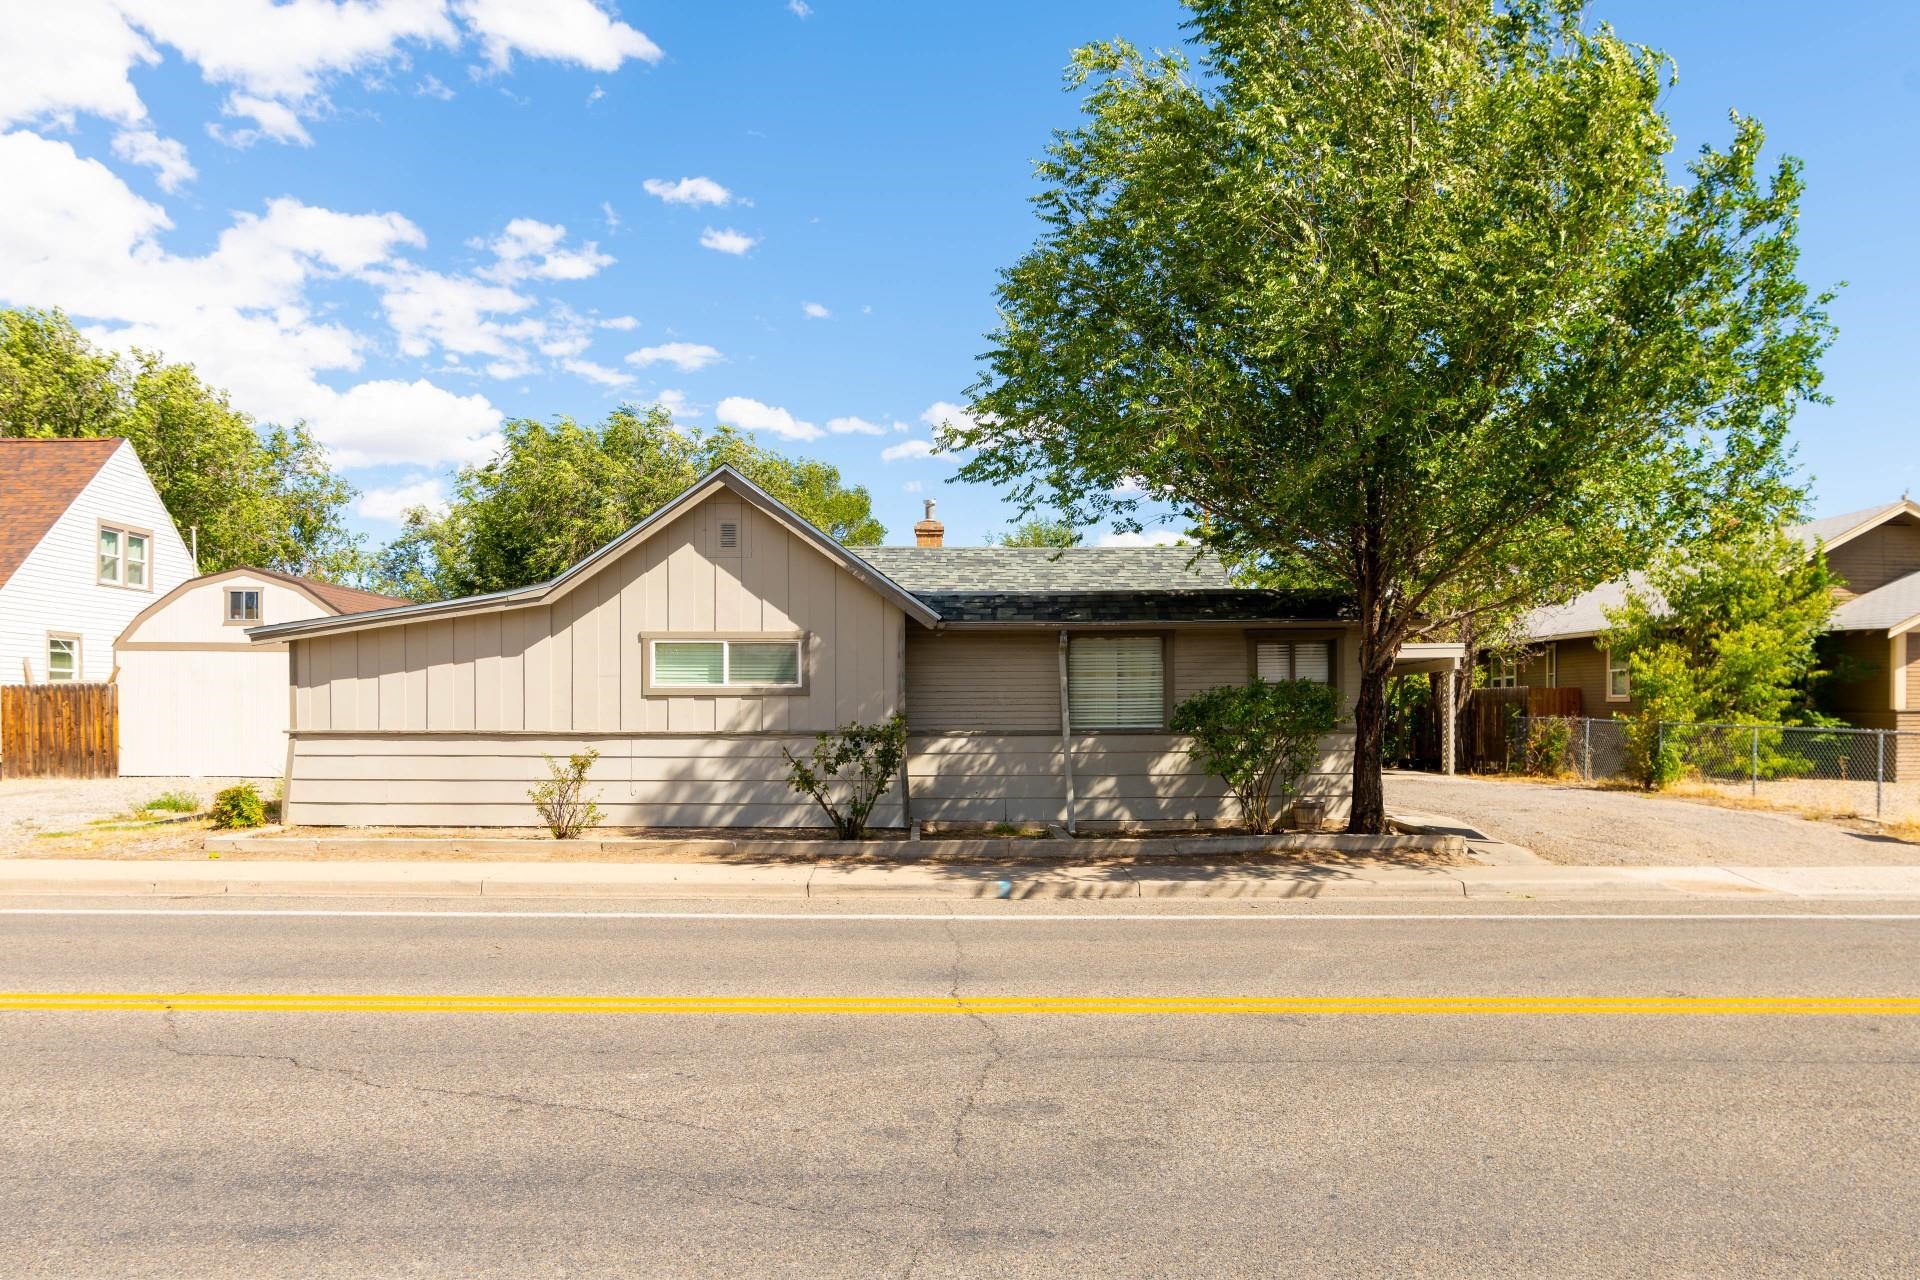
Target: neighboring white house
[(196, 698), (85, 544)]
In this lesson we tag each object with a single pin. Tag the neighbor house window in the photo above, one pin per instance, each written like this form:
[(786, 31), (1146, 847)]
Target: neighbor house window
[(1116, 682), (1275, 660), (243, 605), (1503, 673), (1551, 659), (124, 558), (1619, 685), (63, 658), (726, 664)]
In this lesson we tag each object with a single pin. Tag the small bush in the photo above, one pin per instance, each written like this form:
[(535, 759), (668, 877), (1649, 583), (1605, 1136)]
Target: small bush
[(561, 799), (1549, 746), (848, 771), (1259, 738), (239, 807), (173, 802)]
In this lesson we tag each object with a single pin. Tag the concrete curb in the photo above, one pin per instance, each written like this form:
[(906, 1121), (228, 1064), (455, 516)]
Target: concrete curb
[(86, 877)]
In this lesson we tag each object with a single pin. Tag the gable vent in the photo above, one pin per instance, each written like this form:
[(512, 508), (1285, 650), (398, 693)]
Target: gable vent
[(729, 535)]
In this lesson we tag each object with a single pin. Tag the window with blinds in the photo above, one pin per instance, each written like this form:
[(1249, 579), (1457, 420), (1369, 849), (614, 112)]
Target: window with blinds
[(1277, 660), (1116, 682), (723, 664)]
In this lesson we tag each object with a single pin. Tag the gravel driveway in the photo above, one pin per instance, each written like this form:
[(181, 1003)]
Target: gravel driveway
[(1580, 826), (29, 805)]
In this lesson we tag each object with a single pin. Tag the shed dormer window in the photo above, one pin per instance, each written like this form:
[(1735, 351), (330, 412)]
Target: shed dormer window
[(243, 605)]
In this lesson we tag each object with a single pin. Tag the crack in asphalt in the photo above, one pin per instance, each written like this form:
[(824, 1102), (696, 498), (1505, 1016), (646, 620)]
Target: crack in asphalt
[(995, 1054), (831, 1219)]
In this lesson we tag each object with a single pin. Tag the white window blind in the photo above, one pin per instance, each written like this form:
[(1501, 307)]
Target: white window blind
[(1116, 682), (726, 663), (1276, 660)]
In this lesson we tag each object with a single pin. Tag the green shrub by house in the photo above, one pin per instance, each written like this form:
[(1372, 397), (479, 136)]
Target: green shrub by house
[(562, 799), (1259, 738), (848, 771), (239, 807)]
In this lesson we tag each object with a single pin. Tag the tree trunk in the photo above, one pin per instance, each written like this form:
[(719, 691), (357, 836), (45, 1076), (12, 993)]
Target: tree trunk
[(1369, 813)]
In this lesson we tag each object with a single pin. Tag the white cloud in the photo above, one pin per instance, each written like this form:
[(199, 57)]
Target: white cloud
[(393, 421), (392, 503), (608, 216), (907, 449), (688, 191), (1145, 538), (1130, 487), (912, 486), (676, 403), (799, 8), (597, 373), (275, 120), (533, 250), (597, 94), (854, 426), (727, 241), (165, 156), (61, 59), (684, 356), (754, 416), (625, 324), (814, 311), (945, 413), (577, 31), (432, 87), (429, 309), (77, 237)]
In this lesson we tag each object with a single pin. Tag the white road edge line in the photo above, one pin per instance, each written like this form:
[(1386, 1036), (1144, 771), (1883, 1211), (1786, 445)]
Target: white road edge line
[(948, 918)]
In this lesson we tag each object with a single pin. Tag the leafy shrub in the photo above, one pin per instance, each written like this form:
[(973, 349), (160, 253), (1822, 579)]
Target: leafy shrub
[(1549, 747), (173, 802), (1259, 738), (848, 771), (239, 807), (562, 799)]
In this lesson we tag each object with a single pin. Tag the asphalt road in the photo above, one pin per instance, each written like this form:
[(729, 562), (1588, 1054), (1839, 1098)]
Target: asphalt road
[(308, 1143)]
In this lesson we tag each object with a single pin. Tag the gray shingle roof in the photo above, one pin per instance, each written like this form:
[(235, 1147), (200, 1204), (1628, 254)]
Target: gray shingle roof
[(1882, 608), (1090, 585), (1827, 528), (1028, 569)]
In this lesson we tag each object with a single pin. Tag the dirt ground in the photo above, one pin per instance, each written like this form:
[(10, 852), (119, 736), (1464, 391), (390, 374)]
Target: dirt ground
[(1584, 826), (39, 811)]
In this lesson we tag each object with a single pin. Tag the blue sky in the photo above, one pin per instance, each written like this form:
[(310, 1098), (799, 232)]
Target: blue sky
[(404, 220)]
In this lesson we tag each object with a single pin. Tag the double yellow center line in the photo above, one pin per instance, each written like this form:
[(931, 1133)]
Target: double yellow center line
[(989, 1006)]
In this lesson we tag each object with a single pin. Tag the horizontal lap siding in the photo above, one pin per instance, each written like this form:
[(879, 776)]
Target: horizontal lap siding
[(449, 780)]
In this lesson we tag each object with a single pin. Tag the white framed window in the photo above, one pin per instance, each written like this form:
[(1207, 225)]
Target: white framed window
[(125, 558), (243, 604), (1551, 665), (1619, 682), (63, 658), (1116, 682), (1503, 673), (1276, 660), (725, 664)]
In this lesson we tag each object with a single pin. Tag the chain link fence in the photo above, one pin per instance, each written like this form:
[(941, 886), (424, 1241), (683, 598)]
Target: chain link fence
[(1841, 772)]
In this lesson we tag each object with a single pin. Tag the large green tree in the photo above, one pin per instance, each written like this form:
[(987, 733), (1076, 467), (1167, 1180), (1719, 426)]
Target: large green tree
[(559, 490), (1037, 531), (1399, 295), (257, 496)]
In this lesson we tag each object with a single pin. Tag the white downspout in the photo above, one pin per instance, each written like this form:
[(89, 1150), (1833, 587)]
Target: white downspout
[(1066, 733)]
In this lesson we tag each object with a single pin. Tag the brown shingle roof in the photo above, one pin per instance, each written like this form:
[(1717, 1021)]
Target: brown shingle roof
[(339, 599), (39, 479)]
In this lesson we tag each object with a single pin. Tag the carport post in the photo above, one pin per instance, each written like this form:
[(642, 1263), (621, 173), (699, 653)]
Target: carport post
[(1446, 720)]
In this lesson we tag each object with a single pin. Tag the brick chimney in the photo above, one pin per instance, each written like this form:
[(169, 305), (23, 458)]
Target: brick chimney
[(929, 532)]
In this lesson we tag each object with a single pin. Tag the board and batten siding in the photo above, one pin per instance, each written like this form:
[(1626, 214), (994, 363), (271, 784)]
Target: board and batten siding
[(460, 711), (984, 708), (57, 587)]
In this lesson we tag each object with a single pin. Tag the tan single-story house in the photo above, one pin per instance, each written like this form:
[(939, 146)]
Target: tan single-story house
[(200, 700), (688, 652), (1874, 553)]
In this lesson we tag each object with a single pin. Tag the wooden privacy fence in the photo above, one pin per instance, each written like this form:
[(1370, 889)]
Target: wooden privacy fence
[(59, 730), (1488, 739)]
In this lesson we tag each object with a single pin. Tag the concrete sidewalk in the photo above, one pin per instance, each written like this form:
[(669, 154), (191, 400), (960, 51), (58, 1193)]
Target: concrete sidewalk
[(706, 880)]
